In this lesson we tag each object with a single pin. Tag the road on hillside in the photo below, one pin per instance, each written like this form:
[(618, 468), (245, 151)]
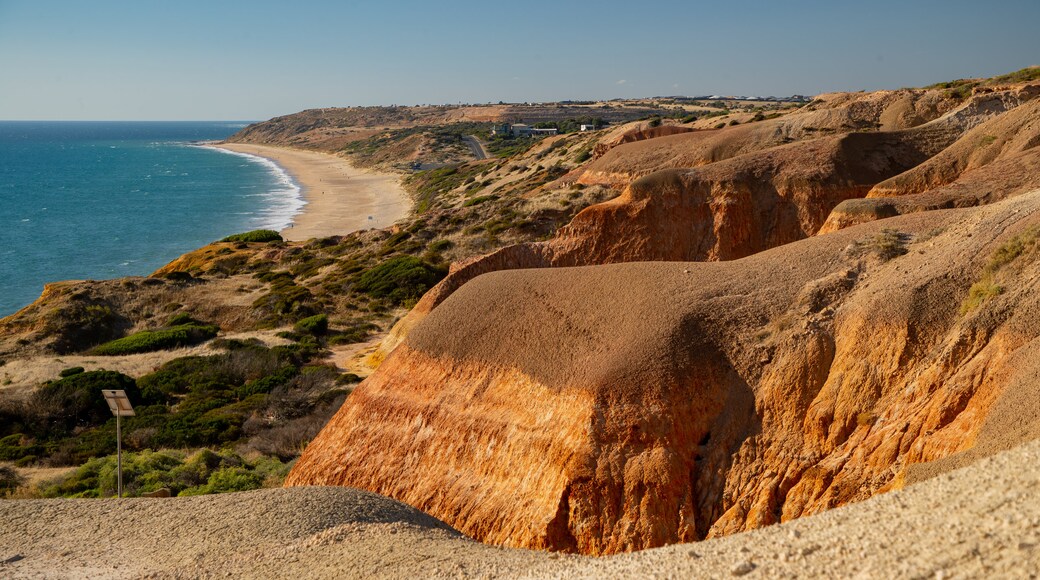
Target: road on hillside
[(477, 147)]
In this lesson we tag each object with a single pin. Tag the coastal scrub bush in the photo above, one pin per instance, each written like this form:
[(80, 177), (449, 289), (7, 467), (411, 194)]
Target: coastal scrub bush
[(285, 299), (9, 479), (478, 200), (152, 340), (255, 236), (399, 279), (440, 245), (356, 331), (316, 325), (227, 480), (181, 319), (71, 371), (181, 472), (17, 447), (76, 400)]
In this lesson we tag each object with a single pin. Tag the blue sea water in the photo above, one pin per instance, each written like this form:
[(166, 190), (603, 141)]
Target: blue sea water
[(96, 200)]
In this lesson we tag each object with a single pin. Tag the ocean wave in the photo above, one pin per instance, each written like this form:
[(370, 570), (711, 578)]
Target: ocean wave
[(284, 201)]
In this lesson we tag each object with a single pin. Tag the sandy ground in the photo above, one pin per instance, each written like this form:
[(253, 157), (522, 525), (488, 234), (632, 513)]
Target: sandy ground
[(353, 358), (340, 197), (979, 522)]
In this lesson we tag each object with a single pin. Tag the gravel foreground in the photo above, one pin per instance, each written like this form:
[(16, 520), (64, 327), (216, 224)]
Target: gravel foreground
[(980, 521)]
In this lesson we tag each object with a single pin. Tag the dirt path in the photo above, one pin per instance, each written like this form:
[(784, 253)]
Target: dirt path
[(982, 521)]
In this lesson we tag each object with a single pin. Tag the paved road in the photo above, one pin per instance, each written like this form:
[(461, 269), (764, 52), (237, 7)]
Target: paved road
[(477, 147)]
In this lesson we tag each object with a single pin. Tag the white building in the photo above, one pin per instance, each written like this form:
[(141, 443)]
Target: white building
[(521, 130)]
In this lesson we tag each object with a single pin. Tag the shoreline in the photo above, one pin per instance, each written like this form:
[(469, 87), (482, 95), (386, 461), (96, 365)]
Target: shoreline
[(338, 197)]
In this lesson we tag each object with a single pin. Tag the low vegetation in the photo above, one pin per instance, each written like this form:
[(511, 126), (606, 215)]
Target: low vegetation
[(886, 245), (401, 280), (988, 285), (152, 340), (255, 236), (181, 472), (961, 89), (250, 397)]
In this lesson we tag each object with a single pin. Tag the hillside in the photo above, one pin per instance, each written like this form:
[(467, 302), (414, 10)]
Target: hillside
[(976, 522), (765, 369), (693, 323)]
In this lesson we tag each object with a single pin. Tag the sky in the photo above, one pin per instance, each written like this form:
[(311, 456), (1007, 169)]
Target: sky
[(229, 60)]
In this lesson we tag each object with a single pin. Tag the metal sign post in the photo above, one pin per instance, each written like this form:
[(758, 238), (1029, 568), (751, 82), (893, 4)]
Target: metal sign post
[(120, 406)]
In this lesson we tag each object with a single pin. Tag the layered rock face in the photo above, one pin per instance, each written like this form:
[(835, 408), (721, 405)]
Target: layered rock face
[(647, 397), (828, 115), (762, 195), (613, 408), (993, 160)]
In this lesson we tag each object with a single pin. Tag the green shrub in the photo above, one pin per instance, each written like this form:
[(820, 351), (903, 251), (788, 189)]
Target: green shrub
[(440, 245), (76, 400), (16, 447), (348, 379), (255, 236), (316, 325), (268, 383), (182, 319), (399, 279), (478, 200), (152, 340), (71, 371), (9, 479), (202, 472), (285, 298)]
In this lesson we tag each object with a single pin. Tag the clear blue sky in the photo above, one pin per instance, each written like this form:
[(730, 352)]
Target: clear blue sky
[(214, 59)]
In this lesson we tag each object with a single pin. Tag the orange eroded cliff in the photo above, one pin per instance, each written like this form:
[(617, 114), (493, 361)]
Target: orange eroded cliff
[(611, 408)]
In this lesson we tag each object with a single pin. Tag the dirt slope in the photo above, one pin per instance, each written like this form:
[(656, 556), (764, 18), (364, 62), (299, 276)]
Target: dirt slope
[(827, 115), (983, 521), (612, 408)]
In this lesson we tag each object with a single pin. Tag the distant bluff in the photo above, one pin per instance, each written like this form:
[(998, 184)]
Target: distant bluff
[(616, 407)]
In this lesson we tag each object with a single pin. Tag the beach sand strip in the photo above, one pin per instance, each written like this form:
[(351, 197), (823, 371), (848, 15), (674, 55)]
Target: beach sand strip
[(340, 198)]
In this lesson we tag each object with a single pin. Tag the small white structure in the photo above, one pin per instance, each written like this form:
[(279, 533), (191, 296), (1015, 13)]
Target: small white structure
[(521, 130), (589, 128)]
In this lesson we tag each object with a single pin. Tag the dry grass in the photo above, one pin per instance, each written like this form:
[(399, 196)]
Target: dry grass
[(886, 245)]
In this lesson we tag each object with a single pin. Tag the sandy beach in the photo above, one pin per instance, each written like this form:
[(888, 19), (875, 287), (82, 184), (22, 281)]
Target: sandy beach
[(340, 197)]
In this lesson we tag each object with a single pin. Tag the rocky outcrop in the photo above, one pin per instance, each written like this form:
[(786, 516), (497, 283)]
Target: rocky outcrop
[(828, 115), (995, 158), (613, 408), (1006, 177), (990, 137), (760, 200), (641, 132)]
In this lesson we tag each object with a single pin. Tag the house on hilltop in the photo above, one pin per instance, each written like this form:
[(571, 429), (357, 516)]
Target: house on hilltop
[(521, 130)]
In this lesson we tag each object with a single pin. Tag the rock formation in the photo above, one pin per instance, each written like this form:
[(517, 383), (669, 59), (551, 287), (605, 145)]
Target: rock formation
[(616, 407), (613, 408)]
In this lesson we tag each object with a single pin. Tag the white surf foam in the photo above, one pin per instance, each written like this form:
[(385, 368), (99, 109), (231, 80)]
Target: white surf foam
[(282, 203)]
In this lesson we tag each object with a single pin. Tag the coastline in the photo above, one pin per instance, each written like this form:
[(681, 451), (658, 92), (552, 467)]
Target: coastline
[(339, 198)]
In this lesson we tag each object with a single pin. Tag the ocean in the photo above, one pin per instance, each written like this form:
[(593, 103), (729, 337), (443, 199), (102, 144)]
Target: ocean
[(97, 200)]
